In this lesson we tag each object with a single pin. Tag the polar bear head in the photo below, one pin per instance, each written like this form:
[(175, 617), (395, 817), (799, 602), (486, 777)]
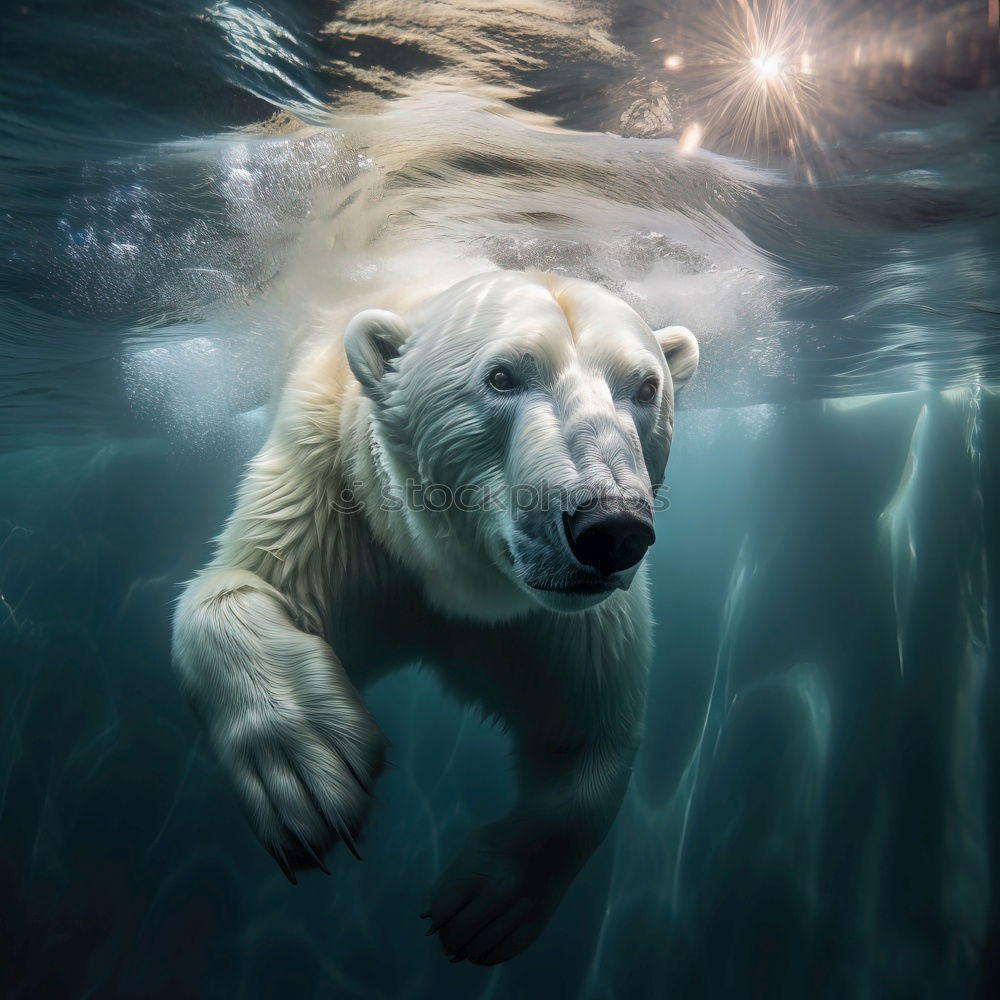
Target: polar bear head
[(525, 421)]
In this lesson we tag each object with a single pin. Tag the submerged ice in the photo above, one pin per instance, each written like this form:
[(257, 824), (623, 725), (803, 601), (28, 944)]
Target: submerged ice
[(813, 785), (813, 812)]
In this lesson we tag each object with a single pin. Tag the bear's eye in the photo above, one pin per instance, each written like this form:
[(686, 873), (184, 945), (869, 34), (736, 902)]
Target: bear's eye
[(647, 391), (502, 379)]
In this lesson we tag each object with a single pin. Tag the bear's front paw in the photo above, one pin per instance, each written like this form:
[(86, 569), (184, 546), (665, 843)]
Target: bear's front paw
[(304, 775), (283, 717), (495, 900)]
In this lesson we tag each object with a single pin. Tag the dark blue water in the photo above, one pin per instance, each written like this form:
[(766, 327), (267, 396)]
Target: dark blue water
[(816, 808)]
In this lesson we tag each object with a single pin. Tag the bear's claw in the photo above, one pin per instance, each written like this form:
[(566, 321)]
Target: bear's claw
[(284, 718), (279, 856), (299, 795)]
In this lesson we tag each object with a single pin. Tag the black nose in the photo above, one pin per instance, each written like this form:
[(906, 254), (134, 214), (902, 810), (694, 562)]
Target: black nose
[(610, 534)]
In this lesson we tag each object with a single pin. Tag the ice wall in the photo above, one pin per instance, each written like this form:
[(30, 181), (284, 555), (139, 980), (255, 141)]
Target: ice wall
[(810, 814)]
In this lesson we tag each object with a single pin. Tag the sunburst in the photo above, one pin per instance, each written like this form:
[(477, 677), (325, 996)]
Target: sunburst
[(752, 66)]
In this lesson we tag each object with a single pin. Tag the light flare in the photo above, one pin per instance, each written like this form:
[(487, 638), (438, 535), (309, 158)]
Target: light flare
[(753, 68), (768, 66), (690, 138)]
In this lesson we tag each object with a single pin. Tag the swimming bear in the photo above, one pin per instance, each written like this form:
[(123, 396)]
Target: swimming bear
[(469, 485)]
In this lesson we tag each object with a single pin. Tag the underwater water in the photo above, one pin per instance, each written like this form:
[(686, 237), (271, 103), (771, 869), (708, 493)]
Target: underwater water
[(189, 190)]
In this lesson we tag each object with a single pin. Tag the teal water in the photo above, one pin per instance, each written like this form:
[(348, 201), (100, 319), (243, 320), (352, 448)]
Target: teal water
[(814, 810)]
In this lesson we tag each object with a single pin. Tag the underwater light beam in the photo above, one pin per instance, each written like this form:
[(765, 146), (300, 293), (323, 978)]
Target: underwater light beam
[(783, 79), (753, 72)]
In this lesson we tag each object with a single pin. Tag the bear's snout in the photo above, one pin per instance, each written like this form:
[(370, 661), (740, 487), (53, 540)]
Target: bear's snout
[(610, 535)]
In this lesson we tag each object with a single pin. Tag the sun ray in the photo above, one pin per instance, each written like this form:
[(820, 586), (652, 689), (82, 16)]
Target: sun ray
[(752, 74)]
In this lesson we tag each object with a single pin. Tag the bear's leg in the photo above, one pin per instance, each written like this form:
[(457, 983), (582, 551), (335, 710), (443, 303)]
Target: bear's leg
[(499, 893), (282, 715)]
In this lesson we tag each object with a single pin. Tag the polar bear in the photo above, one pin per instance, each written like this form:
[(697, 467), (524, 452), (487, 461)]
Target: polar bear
[(470, 486)]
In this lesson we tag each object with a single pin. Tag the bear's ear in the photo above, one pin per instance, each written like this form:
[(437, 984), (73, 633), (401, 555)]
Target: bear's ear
[(372, 340), (681, 351)]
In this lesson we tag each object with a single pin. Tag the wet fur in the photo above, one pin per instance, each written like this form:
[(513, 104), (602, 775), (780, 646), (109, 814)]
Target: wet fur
[(305, 602)]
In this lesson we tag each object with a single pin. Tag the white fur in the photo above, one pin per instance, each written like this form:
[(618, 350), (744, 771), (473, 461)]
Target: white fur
[(318, 585)]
